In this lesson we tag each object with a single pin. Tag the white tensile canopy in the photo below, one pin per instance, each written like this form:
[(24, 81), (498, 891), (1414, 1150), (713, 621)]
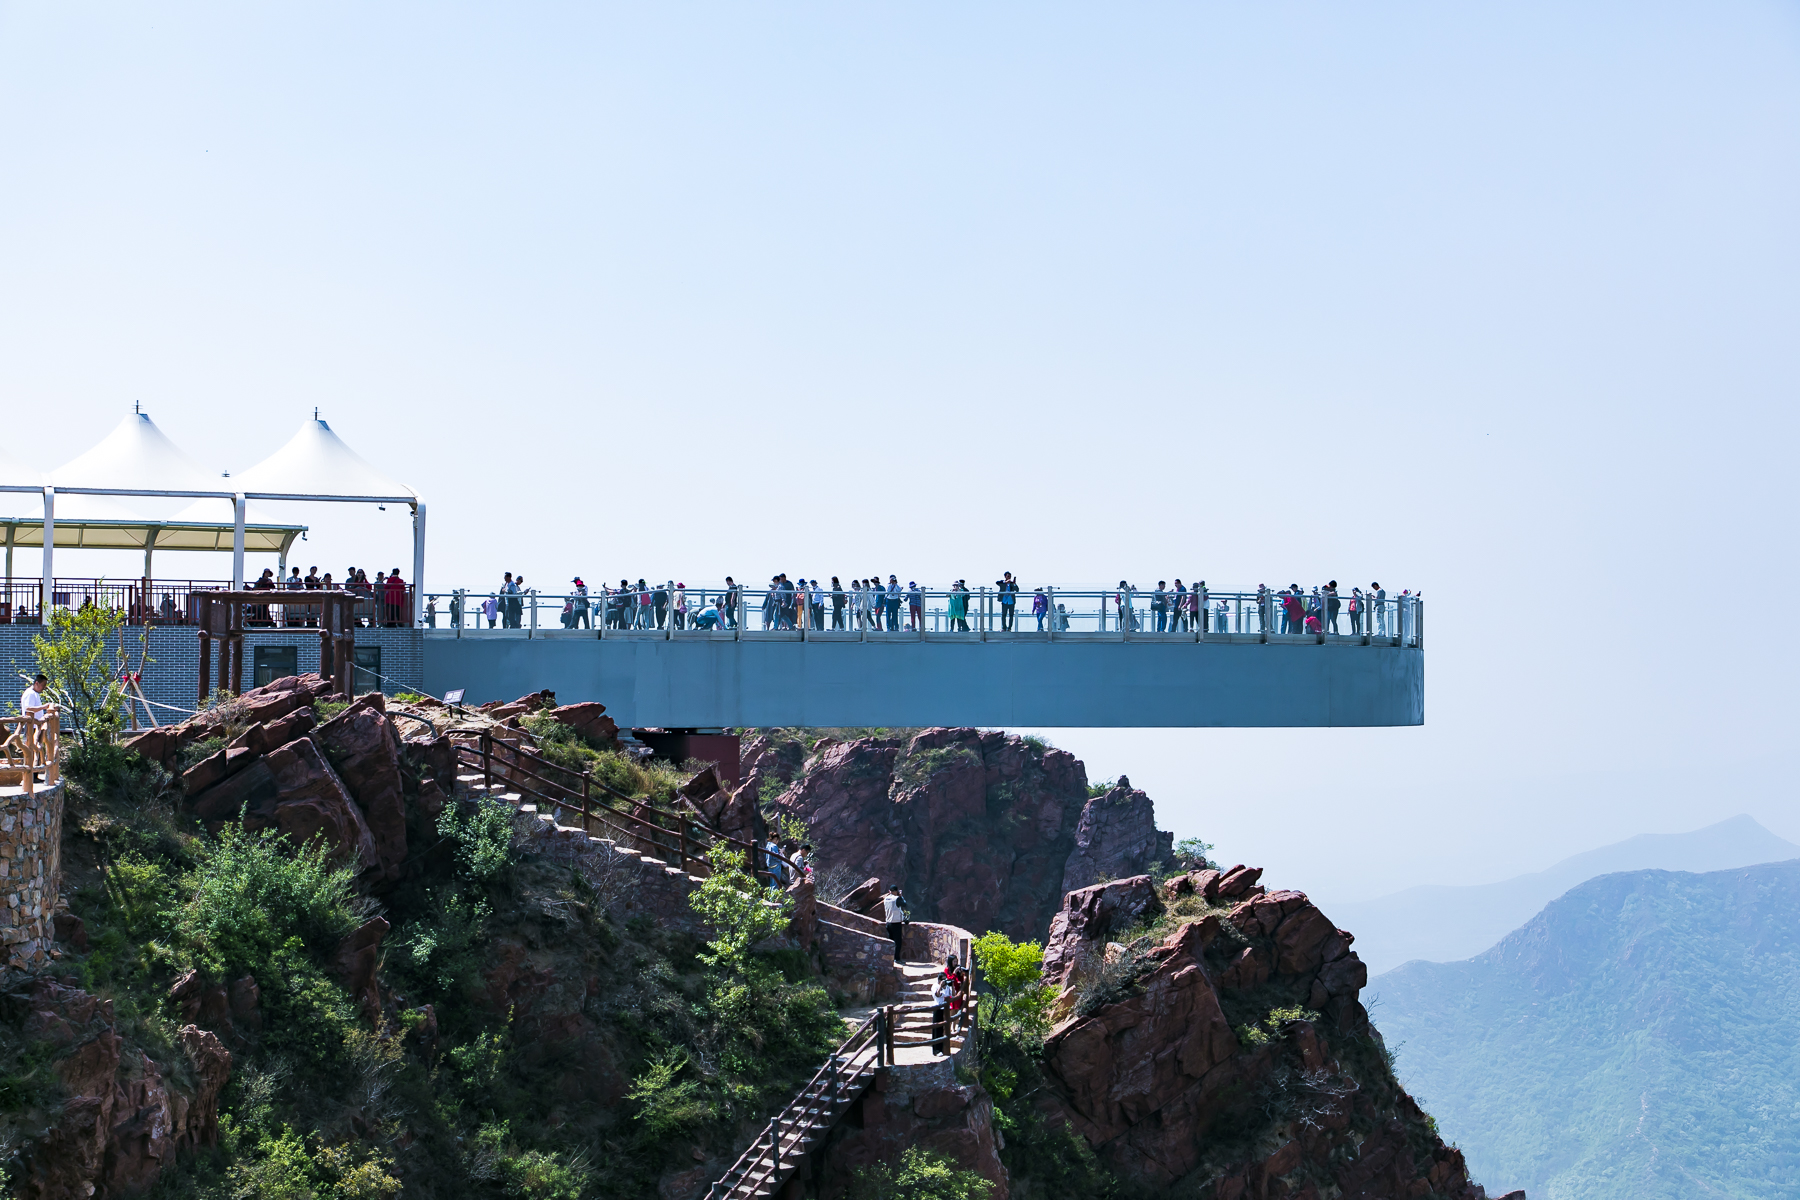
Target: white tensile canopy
[(137, 460)]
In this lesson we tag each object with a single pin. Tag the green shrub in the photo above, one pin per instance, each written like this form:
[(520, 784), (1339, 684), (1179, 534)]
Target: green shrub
[(251, 893), (740, 911), (664, 1105), (1014, 970), (482, 832), (922, 1175)]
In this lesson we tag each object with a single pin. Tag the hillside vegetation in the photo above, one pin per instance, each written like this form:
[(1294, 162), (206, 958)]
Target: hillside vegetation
[(1638, 1039)]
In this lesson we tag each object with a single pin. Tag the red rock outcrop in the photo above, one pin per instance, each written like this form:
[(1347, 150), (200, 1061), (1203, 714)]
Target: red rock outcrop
[(589, 720), (956, 1121), (980, 828), (1240, 1063), (364, 747), (265, 705), (1116, 836), (1089, 917), (122, 1120)]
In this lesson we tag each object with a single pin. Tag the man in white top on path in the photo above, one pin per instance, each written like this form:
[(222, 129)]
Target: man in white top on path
[(31, 700), (893, 907), (33, 705)]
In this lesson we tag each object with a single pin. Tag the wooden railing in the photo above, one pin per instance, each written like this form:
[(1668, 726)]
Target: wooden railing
[(30, 746), (674, 837)]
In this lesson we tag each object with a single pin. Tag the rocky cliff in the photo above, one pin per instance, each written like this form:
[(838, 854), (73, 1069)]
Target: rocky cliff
[(1222, 1050), (982, 829)]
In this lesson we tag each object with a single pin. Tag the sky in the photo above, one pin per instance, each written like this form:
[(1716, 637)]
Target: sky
[(1494, 301)]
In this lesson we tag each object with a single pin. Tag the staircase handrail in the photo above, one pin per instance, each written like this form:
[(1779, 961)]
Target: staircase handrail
[(842, 1063), (518, 758)]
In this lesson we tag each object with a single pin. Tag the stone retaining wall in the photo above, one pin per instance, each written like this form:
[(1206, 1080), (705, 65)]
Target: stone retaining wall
[(859, 964), (928, 941), (30, 872)]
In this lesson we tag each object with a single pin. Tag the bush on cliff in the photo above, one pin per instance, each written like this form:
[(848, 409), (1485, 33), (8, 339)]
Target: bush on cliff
[(922, 1175), (756, 1033), (1014, 1019)]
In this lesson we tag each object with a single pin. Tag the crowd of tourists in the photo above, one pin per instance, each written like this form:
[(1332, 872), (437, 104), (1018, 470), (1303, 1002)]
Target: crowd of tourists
[(381, 602), (873, 604)]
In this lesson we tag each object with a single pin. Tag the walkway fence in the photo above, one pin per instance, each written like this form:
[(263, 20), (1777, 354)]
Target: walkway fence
[(168, 602), (935, 615)]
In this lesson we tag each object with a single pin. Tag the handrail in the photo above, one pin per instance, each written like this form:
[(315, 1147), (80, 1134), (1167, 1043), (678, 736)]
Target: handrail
[(33, 745), (521, 762), (844, 1064)]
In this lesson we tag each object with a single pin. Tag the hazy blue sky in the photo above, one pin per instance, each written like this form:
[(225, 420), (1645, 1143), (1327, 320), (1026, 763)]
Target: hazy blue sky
[(1497, 301)]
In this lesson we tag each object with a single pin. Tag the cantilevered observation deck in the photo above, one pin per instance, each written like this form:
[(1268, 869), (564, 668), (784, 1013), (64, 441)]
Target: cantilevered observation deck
[(1087, 672)]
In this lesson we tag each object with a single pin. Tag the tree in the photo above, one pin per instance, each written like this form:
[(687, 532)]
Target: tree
[(1015, 970), (84, 666), (740, 912)]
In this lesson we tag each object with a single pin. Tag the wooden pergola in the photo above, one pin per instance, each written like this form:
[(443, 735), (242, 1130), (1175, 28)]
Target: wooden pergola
[(220, 616)]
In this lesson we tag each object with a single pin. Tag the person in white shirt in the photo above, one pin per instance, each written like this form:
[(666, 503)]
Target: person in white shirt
[(31, 700), (33, 706), (893, 911)]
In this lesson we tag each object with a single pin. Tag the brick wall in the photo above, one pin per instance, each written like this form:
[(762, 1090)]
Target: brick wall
[(171, 678)]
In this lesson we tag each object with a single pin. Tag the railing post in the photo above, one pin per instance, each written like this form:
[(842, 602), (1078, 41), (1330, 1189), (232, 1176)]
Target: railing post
[(531, 599), (487, 760), (1050, 610)]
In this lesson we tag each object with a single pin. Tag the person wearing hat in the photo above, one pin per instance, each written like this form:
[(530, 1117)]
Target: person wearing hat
[(578, 595), (915, 604)]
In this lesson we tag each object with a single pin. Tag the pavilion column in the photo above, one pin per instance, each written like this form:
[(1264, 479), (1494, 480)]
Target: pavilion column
[(418, 571), (237, 543), (49, 596), (10, 532)]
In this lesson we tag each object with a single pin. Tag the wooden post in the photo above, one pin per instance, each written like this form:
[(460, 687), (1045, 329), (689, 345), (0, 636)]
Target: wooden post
[(199, 606), (487, 759)]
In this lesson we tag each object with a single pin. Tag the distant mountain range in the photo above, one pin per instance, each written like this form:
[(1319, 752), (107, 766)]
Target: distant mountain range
[(1637, 1040), (1446, 923)]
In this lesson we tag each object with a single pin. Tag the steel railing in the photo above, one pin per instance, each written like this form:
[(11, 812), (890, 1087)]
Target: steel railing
[(166, 602), (932, 614)]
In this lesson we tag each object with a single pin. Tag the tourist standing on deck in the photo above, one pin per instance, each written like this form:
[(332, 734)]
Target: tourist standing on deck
[(1009, 597), (837, 603)]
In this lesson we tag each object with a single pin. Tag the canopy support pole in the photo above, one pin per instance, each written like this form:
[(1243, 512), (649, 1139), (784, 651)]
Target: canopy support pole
[(10, 530), (48, 598), (237, 543), (150, 547), (418, 571)]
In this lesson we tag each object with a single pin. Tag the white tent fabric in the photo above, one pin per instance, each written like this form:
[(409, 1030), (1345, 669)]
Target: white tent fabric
[(317, 465), (14, 473), (137, 457)]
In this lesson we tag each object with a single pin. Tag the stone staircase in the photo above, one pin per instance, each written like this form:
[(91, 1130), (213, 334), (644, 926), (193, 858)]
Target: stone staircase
[(894, 1036)]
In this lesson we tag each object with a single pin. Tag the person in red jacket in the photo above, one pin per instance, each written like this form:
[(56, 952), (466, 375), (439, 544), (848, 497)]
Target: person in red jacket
[(395, 597), (947, 1002)]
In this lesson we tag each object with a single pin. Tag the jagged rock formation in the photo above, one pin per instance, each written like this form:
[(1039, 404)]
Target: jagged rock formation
[(983, 829), (122, 1117), (1231, 1057)]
